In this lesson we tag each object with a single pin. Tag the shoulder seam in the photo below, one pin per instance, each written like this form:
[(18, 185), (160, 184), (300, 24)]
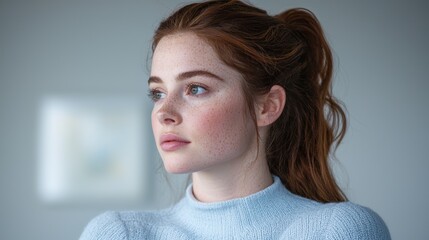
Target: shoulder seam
[(118, 215), (325, 230)]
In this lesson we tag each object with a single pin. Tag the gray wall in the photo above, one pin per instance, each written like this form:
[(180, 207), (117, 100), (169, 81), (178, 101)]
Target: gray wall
[(100, 48)]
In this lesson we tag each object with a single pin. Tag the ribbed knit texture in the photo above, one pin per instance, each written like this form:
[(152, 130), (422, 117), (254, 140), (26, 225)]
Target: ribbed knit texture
[(273, 213)]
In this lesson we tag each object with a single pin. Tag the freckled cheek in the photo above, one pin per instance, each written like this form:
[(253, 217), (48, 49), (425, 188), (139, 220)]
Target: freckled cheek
[(155, 124), (220, 129), (153, 120)]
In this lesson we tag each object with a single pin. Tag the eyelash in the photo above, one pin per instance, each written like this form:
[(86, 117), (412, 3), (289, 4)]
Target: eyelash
[(153, 94), (193, 85)]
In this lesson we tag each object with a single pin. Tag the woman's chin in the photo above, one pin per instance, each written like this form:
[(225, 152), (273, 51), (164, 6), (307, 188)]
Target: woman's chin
[(177, 168)]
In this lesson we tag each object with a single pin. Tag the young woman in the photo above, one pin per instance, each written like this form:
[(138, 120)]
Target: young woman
[(242, 100)]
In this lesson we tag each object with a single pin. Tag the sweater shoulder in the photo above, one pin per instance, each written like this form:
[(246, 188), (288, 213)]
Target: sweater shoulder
[(126, 225), (352, 221), (336, 221), (108, 225)]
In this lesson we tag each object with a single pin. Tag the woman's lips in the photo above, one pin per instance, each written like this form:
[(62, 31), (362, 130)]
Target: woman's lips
[(172, 142)]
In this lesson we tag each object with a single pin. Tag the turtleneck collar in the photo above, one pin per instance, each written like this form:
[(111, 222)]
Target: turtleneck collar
[(253, 211), (213, 205)]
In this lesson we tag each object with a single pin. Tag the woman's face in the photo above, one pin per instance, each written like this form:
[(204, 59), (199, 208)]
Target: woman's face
[(199, 117)]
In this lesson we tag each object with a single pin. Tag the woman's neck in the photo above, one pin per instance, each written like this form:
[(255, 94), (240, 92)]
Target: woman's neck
[(228, 183)]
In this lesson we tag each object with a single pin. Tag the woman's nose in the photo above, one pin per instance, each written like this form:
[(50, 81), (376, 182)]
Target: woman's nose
[(168, 113)]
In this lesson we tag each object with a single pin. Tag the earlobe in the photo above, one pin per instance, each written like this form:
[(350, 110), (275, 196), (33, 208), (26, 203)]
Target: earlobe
[(271, 106)]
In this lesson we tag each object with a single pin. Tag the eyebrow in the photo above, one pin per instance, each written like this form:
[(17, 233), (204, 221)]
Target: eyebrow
[(186, 75)]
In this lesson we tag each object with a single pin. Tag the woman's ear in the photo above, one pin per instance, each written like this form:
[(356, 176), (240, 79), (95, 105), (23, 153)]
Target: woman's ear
[(270, 106)]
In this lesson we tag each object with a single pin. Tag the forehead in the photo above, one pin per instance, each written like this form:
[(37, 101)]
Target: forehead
[(183, 52)]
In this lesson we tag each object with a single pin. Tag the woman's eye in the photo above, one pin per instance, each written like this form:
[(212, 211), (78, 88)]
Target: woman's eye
[(156, 95), (196, 89)]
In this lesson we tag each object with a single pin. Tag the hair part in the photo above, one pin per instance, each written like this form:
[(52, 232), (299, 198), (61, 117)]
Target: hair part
[(289, 50)]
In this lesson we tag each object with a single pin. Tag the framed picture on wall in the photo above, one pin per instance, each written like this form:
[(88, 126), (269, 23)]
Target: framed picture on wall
[(92, 150)]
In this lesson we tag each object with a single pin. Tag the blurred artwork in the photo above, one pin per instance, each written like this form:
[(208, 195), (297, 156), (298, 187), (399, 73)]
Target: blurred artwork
[(91, 150)]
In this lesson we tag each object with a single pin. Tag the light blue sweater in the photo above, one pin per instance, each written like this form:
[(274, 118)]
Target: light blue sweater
[(273, 213)]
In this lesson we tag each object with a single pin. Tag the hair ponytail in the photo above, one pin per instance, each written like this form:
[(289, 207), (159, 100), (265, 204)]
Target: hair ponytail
[(289, 50), (314, 119)]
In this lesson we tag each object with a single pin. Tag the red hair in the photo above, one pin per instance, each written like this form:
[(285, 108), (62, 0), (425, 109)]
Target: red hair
[(289, 50)]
